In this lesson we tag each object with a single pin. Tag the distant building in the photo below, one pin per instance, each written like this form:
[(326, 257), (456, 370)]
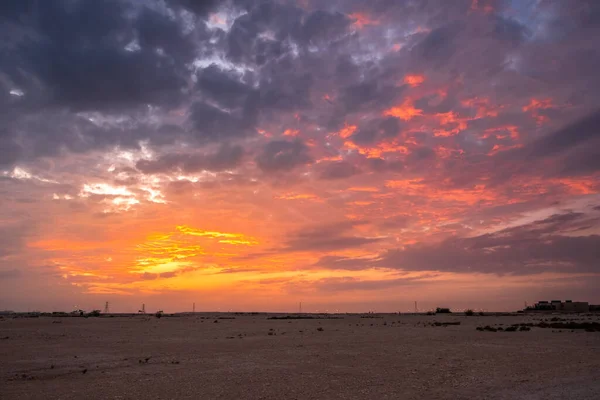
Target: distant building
[(560, 306)]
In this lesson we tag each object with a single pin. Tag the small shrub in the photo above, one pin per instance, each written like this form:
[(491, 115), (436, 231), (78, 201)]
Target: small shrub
[(524, 328), (158, 314), (441, 310), (320, 329), (469, 312), (481, 313), (445, 323), (511, 329)]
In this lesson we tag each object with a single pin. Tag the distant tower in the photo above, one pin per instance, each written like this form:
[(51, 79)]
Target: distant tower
[(194, 307), (106, 308), (300, 308), (416, 307), (143, 309)]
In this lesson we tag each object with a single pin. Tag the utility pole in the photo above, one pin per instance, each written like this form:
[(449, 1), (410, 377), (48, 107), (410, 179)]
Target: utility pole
[(300, 308), (194, 307), (106, 308), (416, 308)]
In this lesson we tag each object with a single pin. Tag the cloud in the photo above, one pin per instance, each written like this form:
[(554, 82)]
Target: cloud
[(282, 156), (579, 132), (85, 64), (325, 238), (226, 157), (211, 124), (199, 7), (465, 117), (10, 273), (349, 283), (344, 263), (224, 87), (558, 243), (338, 170)]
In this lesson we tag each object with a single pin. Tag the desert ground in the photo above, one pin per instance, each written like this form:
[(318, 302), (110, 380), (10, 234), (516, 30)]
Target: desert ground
[(226, 356)]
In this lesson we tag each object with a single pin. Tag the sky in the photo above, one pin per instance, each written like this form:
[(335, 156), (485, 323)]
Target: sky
[(251, 155)]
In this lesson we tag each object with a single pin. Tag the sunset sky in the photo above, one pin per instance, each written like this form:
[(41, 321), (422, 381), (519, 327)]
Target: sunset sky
[(248, 155)]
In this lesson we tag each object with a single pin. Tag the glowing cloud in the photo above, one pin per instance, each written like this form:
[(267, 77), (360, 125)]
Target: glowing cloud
[(346, 131), (406, 111), (361, 20), (414, 80)]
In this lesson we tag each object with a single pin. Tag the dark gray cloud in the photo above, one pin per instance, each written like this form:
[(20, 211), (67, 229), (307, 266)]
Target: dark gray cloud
[(396, 222), (199, 7), (324, 26), (579, 132), (10, 273), (85, 64), (338, 170), (557, 243), (224, 87), (381, 165), (569, 151), (213, 124), (246, 41), (282, 156), (368, 95), (349, 283), (343, 263), (325, 238), (66, 57), (439, 45), (226, 157)]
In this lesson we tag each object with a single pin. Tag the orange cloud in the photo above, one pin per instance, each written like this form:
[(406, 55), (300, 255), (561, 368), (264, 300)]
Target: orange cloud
[(486, 8), (346, 131), (297, 196), (363, 189), (361, 203), (361, 20), (291, 132), (378, 150), (444, 152), (414, 80), (539, 104), (406, 111), (498, 148), (417, 187), (450, 118), (498, 132), (483, 107), (579, 186), (223, 237), (264, 133)]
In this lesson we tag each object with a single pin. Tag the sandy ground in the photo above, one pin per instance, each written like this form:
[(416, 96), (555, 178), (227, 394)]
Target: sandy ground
[(394, 357)]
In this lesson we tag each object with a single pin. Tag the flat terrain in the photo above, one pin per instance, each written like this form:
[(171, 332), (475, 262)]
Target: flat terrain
[(252, 357)]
